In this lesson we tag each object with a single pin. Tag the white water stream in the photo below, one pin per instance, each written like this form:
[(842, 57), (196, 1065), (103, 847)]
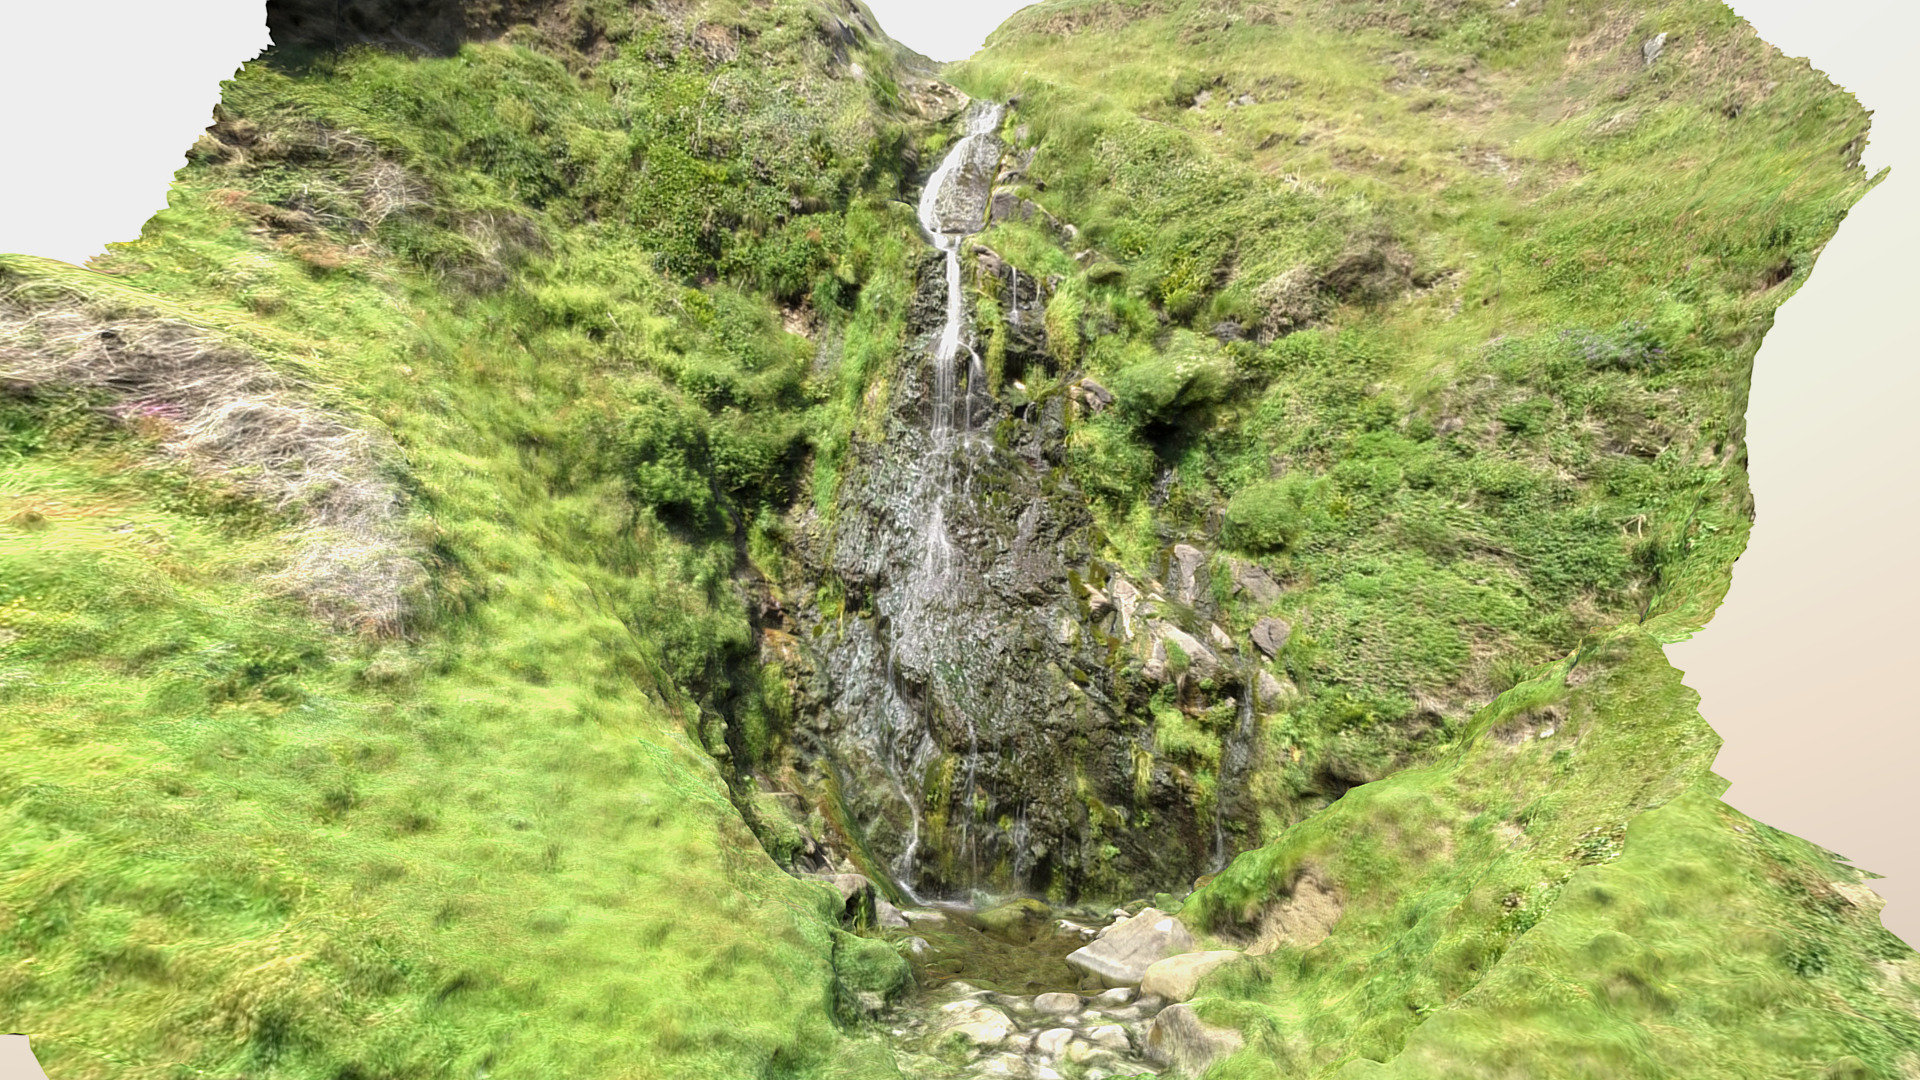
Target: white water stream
[(953, 207)]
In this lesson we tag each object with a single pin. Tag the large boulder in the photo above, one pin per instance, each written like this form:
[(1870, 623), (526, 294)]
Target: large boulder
[(1178, 1037), (1123, 952), (857, 898), (1176, 977)]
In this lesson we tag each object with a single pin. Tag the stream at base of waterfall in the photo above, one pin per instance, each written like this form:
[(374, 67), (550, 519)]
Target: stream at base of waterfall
[(995, 999)]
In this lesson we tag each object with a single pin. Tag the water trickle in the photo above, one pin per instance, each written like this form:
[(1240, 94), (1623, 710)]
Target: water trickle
[(953, 207), (1235, 757)]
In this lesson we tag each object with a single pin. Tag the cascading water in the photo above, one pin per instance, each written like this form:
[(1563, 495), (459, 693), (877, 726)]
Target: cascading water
[(952, 207)]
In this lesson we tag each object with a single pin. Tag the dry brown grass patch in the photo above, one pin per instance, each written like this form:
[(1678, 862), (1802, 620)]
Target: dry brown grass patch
[(225, 414)]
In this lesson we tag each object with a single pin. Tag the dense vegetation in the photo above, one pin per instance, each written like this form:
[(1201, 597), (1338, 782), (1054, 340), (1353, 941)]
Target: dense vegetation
[(1442, 312)]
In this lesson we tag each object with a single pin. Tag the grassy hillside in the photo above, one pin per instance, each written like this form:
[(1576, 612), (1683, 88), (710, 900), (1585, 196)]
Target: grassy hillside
[(472, 831), (381, 533), (1467, 296), (1445, 314)]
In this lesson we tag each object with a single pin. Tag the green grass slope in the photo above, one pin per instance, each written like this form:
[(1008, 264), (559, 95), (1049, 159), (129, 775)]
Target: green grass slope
[(1444, 313), (483, 838), (1490, 285)]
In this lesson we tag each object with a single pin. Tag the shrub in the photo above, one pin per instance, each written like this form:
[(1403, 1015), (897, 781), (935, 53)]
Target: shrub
[(663, 444), (1272, 515), (1193, 371), (1108, 460)]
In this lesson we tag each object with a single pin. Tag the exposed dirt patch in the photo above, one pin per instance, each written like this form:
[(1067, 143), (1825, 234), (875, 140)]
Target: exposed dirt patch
[(1303, 918), (1515, 732)]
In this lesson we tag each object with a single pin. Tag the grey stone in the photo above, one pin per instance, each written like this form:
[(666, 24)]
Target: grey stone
[(1092, 395), (1253, 581), (1188, 580), (1202, 661), (1272, 692), (1127, 599), (1177, 977), (888, 916), (1113, 998), (1270, 635), (1178, 1037), (1123, 952), (1110, 1037), (1057, 1004), (981, 1026), (1052, 1043)]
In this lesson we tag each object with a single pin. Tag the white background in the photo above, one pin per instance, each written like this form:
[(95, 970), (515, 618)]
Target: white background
[(1809, 672)]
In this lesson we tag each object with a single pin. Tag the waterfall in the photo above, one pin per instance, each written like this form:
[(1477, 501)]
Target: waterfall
[(952, 208)]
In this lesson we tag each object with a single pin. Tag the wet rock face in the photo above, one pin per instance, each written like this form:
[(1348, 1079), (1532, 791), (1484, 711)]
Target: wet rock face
[(974, 720)]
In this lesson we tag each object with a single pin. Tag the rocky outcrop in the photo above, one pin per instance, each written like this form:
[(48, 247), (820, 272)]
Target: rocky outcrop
[(957, 687)]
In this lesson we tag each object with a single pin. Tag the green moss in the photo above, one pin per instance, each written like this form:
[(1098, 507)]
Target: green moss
[(868, 966)]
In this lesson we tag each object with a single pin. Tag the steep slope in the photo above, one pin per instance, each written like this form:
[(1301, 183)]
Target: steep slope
[(273, 815), (1442, 315), (538, 501)]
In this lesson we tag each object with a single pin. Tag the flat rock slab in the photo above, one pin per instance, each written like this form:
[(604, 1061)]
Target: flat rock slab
[(1121, 955), (1176, 977)]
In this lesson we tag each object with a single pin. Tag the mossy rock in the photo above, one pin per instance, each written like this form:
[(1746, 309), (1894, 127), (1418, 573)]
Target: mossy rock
[(868, 969), (1019, 922)]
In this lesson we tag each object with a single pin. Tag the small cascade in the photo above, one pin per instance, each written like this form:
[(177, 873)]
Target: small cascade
[(1236, 753), (938, 682), (953, 207)]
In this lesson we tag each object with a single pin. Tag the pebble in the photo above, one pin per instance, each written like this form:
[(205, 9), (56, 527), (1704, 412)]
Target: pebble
[(1010, 1037), (1052, 1043)]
